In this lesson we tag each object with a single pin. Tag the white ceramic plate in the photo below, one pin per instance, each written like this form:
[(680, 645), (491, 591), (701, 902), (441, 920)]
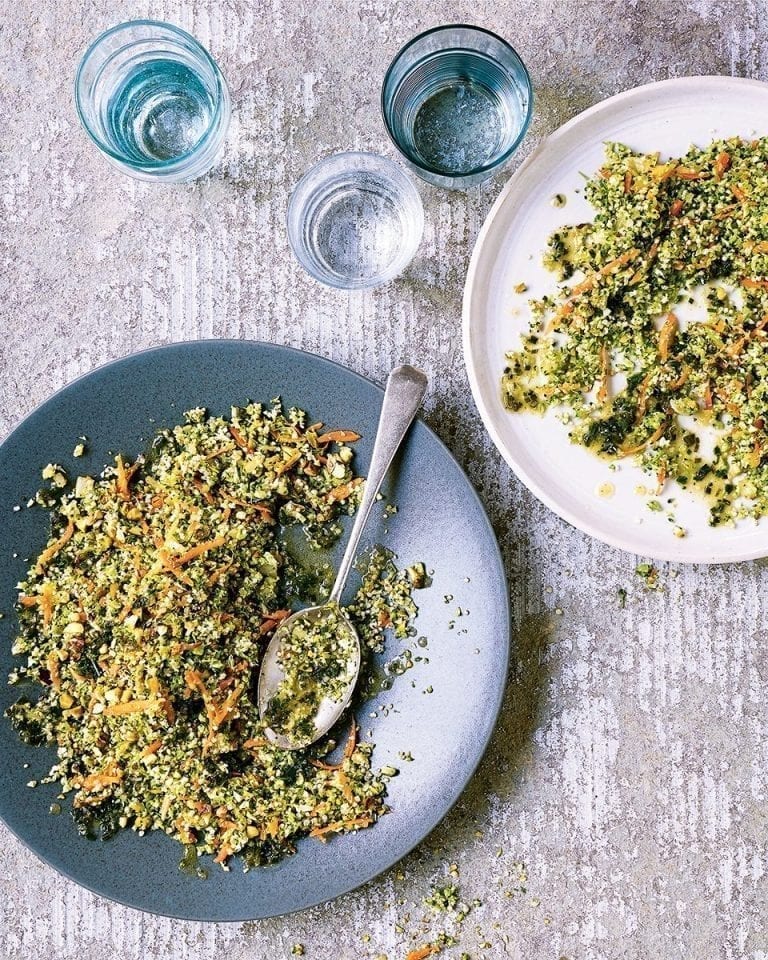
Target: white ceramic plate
[(667, 116)]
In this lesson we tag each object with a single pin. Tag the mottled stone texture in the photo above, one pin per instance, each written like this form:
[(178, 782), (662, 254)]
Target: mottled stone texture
[(629, 768)]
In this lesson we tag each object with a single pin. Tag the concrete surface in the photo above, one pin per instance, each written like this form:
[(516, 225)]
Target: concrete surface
[(628, 772)]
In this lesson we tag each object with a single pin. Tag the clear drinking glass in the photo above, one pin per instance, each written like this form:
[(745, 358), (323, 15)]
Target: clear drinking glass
[(355, 220), (153, 101), (457, 101)]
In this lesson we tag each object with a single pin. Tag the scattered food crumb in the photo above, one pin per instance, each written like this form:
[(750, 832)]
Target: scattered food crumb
[(56, 474), (443, 899), (648, 573)]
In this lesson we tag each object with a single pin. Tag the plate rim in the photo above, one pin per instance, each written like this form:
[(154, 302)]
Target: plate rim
[(505, 608), (700, 84)]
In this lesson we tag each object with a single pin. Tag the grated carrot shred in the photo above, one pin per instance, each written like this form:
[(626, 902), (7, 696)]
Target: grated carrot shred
[(240, 439), (272, 620), (343, 781), (203, 490), (50, 552), (656, 435), (339, 436), (339, 825), (97, 781), (667, 335), (52, 662), (344, 490), (591, 281), (422, 952), (223, 855), (124, 477), (349, 749), (198, 551), (47, 597), (286, 465)]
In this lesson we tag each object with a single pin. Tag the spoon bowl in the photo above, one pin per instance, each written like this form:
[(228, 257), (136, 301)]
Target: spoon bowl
[(273, 674)]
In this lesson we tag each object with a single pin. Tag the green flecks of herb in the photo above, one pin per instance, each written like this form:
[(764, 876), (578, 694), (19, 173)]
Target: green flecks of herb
[(654, 506)]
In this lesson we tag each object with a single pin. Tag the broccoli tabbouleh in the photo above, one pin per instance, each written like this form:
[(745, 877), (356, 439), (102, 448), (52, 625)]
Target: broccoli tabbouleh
[(144, 619), (318, 655), (612, 350)]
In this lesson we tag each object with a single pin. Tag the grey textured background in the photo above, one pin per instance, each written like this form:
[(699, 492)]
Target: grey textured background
[(628, 772)]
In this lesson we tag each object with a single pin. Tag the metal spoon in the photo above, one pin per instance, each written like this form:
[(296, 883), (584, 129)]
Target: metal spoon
[(405, 391)]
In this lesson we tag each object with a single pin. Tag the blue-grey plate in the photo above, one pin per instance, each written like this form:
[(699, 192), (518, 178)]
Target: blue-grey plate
[(439, 520)]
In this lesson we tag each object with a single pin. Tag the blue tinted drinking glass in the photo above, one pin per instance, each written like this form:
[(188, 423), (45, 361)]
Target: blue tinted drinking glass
[(153, 100), (457, 101)]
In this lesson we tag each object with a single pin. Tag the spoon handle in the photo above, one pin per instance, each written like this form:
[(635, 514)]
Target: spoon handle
[(405, 390)]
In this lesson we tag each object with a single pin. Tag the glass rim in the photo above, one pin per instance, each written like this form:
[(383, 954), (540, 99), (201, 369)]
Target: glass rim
[(151, 165), (361, 155), (484, 168)]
